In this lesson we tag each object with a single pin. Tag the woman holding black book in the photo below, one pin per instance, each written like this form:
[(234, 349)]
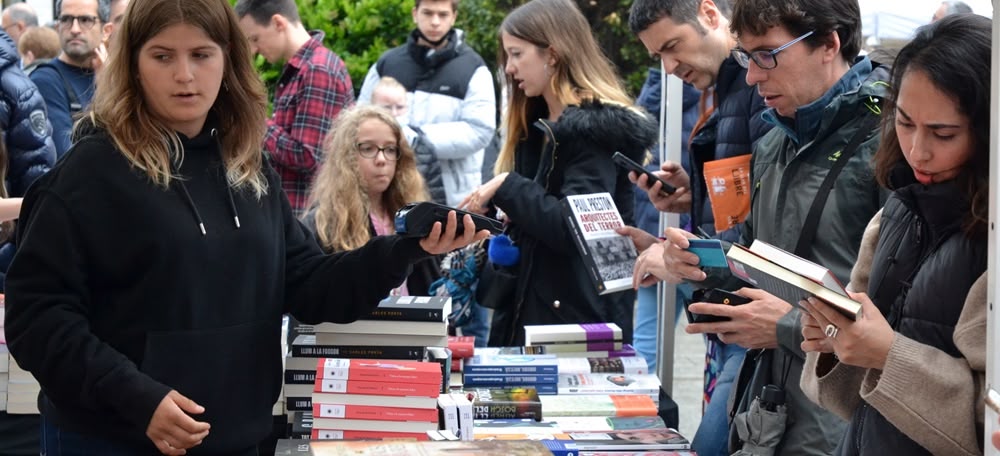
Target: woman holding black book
[(909, 374), (567, 115), (155, 261)]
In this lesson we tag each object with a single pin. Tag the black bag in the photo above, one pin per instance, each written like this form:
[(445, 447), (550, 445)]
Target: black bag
[(496, 286)]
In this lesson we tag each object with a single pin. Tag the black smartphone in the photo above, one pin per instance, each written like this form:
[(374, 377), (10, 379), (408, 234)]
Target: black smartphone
[(417, 219), (629, 164), (715, 296)]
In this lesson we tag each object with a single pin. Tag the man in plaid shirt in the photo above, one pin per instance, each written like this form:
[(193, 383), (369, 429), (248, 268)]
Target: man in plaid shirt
[(313, 88)]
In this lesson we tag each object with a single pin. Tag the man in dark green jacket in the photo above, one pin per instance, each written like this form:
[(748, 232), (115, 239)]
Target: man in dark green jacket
[(824, 102)]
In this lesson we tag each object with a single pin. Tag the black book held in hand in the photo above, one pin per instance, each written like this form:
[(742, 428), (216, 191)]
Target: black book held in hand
[(789, 277)]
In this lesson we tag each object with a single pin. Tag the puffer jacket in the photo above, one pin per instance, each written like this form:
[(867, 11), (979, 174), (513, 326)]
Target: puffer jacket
[(27, 133), (452, 109), (553, 285)]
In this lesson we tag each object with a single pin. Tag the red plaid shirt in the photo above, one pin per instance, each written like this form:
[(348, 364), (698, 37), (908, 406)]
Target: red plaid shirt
[(313, 88)]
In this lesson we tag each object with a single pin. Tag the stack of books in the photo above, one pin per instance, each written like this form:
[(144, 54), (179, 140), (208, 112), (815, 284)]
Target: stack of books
[(371, 398), (394, 448), (540, 372), (401, 328), (462, 347), (574, 338), (582, 435), (503, 403)]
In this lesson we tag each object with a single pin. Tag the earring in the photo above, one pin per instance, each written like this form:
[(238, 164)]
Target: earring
[(225, 87)]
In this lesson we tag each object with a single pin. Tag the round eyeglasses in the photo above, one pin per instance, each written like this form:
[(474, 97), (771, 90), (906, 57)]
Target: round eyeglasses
[(369, 150)]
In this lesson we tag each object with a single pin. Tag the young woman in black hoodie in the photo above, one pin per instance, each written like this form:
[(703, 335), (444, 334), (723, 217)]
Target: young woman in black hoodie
[(156, 259)]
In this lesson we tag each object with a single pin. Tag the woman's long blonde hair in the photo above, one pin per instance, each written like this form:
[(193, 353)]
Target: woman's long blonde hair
[(581, 70), (240, 109), (338, 195)]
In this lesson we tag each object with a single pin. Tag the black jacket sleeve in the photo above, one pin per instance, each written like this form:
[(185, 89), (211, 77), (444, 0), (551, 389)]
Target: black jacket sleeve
[(539, 213), (343, 286), (47, 326)]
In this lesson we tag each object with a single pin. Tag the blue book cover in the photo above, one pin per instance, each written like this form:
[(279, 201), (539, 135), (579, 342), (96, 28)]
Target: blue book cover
[(511, 364), (504, 380)]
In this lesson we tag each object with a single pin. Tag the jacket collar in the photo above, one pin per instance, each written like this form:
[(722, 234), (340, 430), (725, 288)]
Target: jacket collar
[(731, 79), (306, 51), (804, 127), (429, 57), (943, 206)]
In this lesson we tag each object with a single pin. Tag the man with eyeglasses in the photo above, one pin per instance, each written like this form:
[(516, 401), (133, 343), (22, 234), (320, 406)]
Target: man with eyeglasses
[(16, 19), (692, 40), (67, 82), (813, 193)]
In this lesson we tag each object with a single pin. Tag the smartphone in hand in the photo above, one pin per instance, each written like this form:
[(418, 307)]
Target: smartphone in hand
[(630, 165)]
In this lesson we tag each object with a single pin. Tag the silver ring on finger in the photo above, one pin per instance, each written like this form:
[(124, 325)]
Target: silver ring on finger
[(831, 331)]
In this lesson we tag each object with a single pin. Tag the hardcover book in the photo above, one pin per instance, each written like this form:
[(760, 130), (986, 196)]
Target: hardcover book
[(648, 384), (341, 424), (632, 365), (609, 256), (625, 351), (378, 370), (401, 448), (369, 412), (631, 405), (493, 403), (571, 333), (462, 346), (767, 268), (429, 402), (377, 388), (306, 346), (345, 434), (412, 308), (511, 365)]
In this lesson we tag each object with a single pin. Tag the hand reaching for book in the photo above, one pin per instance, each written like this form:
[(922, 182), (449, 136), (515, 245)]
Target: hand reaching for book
[(649, 267), (440, 241), (172, 429), (862, 343), (751, 325)]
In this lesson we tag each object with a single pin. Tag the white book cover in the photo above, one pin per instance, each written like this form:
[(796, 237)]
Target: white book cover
[(465, 422), (609, 384), (571, 333), (609, 256), (632, 365), (449, 414)]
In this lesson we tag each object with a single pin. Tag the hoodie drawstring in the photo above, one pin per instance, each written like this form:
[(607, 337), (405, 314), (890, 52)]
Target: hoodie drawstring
[(229, 194)]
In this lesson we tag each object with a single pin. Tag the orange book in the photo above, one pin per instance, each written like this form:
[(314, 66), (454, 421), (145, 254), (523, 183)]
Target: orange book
[(633, 405), (378, 370), (378, 388), (370, 412)]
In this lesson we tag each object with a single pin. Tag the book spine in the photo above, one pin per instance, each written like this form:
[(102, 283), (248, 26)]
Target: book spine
[(405, 372), (333, 434), (483, 410), (377, 388), (581, 244), (371, 412), (358, 351), (298, 404), (504, 380), (406, 314), (300, 377), (506, 370)]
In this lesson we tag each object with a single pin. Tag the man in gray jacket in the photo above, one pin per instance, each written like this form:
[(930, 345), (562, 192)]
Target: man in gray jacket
[(813, 192)]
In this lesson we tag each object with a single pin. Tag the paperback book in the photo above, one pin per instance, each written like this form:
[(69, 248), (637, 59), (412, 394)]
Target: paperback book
[(609, 256), (493, 403)]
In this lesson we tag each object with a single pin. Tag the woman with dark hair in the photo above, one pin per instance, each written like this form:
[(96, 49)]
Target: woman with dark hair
[(909, 374), (567, 114), (156, 260)]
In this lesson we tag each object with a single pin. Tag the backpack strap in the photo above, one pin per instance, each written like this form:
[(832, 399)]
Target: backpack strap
[(74, 101), (811, 225)]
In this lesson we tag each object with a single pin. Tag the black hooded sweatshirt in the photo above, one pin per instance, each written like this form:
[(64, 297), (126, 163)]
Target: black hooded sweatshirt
[(118, 295)]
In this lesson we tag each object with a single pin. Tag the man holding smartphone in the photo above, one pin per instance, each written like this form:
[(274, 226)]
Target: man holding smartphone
[(692, 40)]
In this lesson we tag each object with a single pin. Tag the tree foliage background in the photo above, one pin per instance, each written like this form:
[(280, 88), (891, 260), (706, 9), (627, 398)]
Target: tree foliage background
[(359, 31)]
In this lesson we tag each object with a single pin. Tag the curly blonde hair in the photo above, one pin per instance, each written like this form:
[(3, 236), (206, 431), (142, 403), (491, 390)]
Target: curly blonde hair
[(338, 195)]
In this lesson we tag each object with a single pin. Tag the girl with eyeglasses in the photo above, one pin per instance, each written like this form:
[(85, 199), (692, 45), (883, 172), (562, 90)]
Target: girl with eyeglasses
[(368, 174)]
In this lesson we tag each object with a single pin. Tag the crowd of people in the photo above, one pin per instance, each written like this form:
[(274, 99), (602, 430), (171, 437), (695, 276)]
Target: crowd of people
[(156, 259)]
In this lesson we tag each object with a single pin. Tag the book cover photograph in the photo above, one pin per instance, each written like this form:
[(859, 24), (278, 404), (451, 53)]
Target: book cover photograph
[(592, 218), (495, 403)]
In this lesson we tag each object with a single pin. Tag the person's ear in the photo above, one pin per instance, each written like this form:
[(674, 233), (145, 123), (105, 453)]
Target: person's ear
[(831, 47), (709, 14), (279, 23), (106, 30)]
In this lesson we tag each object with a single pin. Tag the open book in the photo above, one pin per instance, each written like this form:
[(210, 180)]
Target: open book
[(789, 277), (608, 255)]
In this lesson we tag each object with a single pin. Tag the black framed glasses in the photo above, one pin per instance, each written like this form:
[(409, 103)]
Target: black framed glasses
[(369, 150), (86, 22), (765, 60)]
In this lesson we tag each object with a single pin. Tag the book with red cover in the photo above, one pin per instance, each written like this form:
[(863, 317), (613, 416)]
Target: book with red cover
[(366, 412), (377, 388), (338, 434), (462, 346), (378, 370)]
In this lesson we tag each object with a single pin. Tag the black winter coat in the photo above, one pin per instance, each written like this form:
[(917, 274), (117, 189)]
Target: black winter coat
[(553, 284)]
